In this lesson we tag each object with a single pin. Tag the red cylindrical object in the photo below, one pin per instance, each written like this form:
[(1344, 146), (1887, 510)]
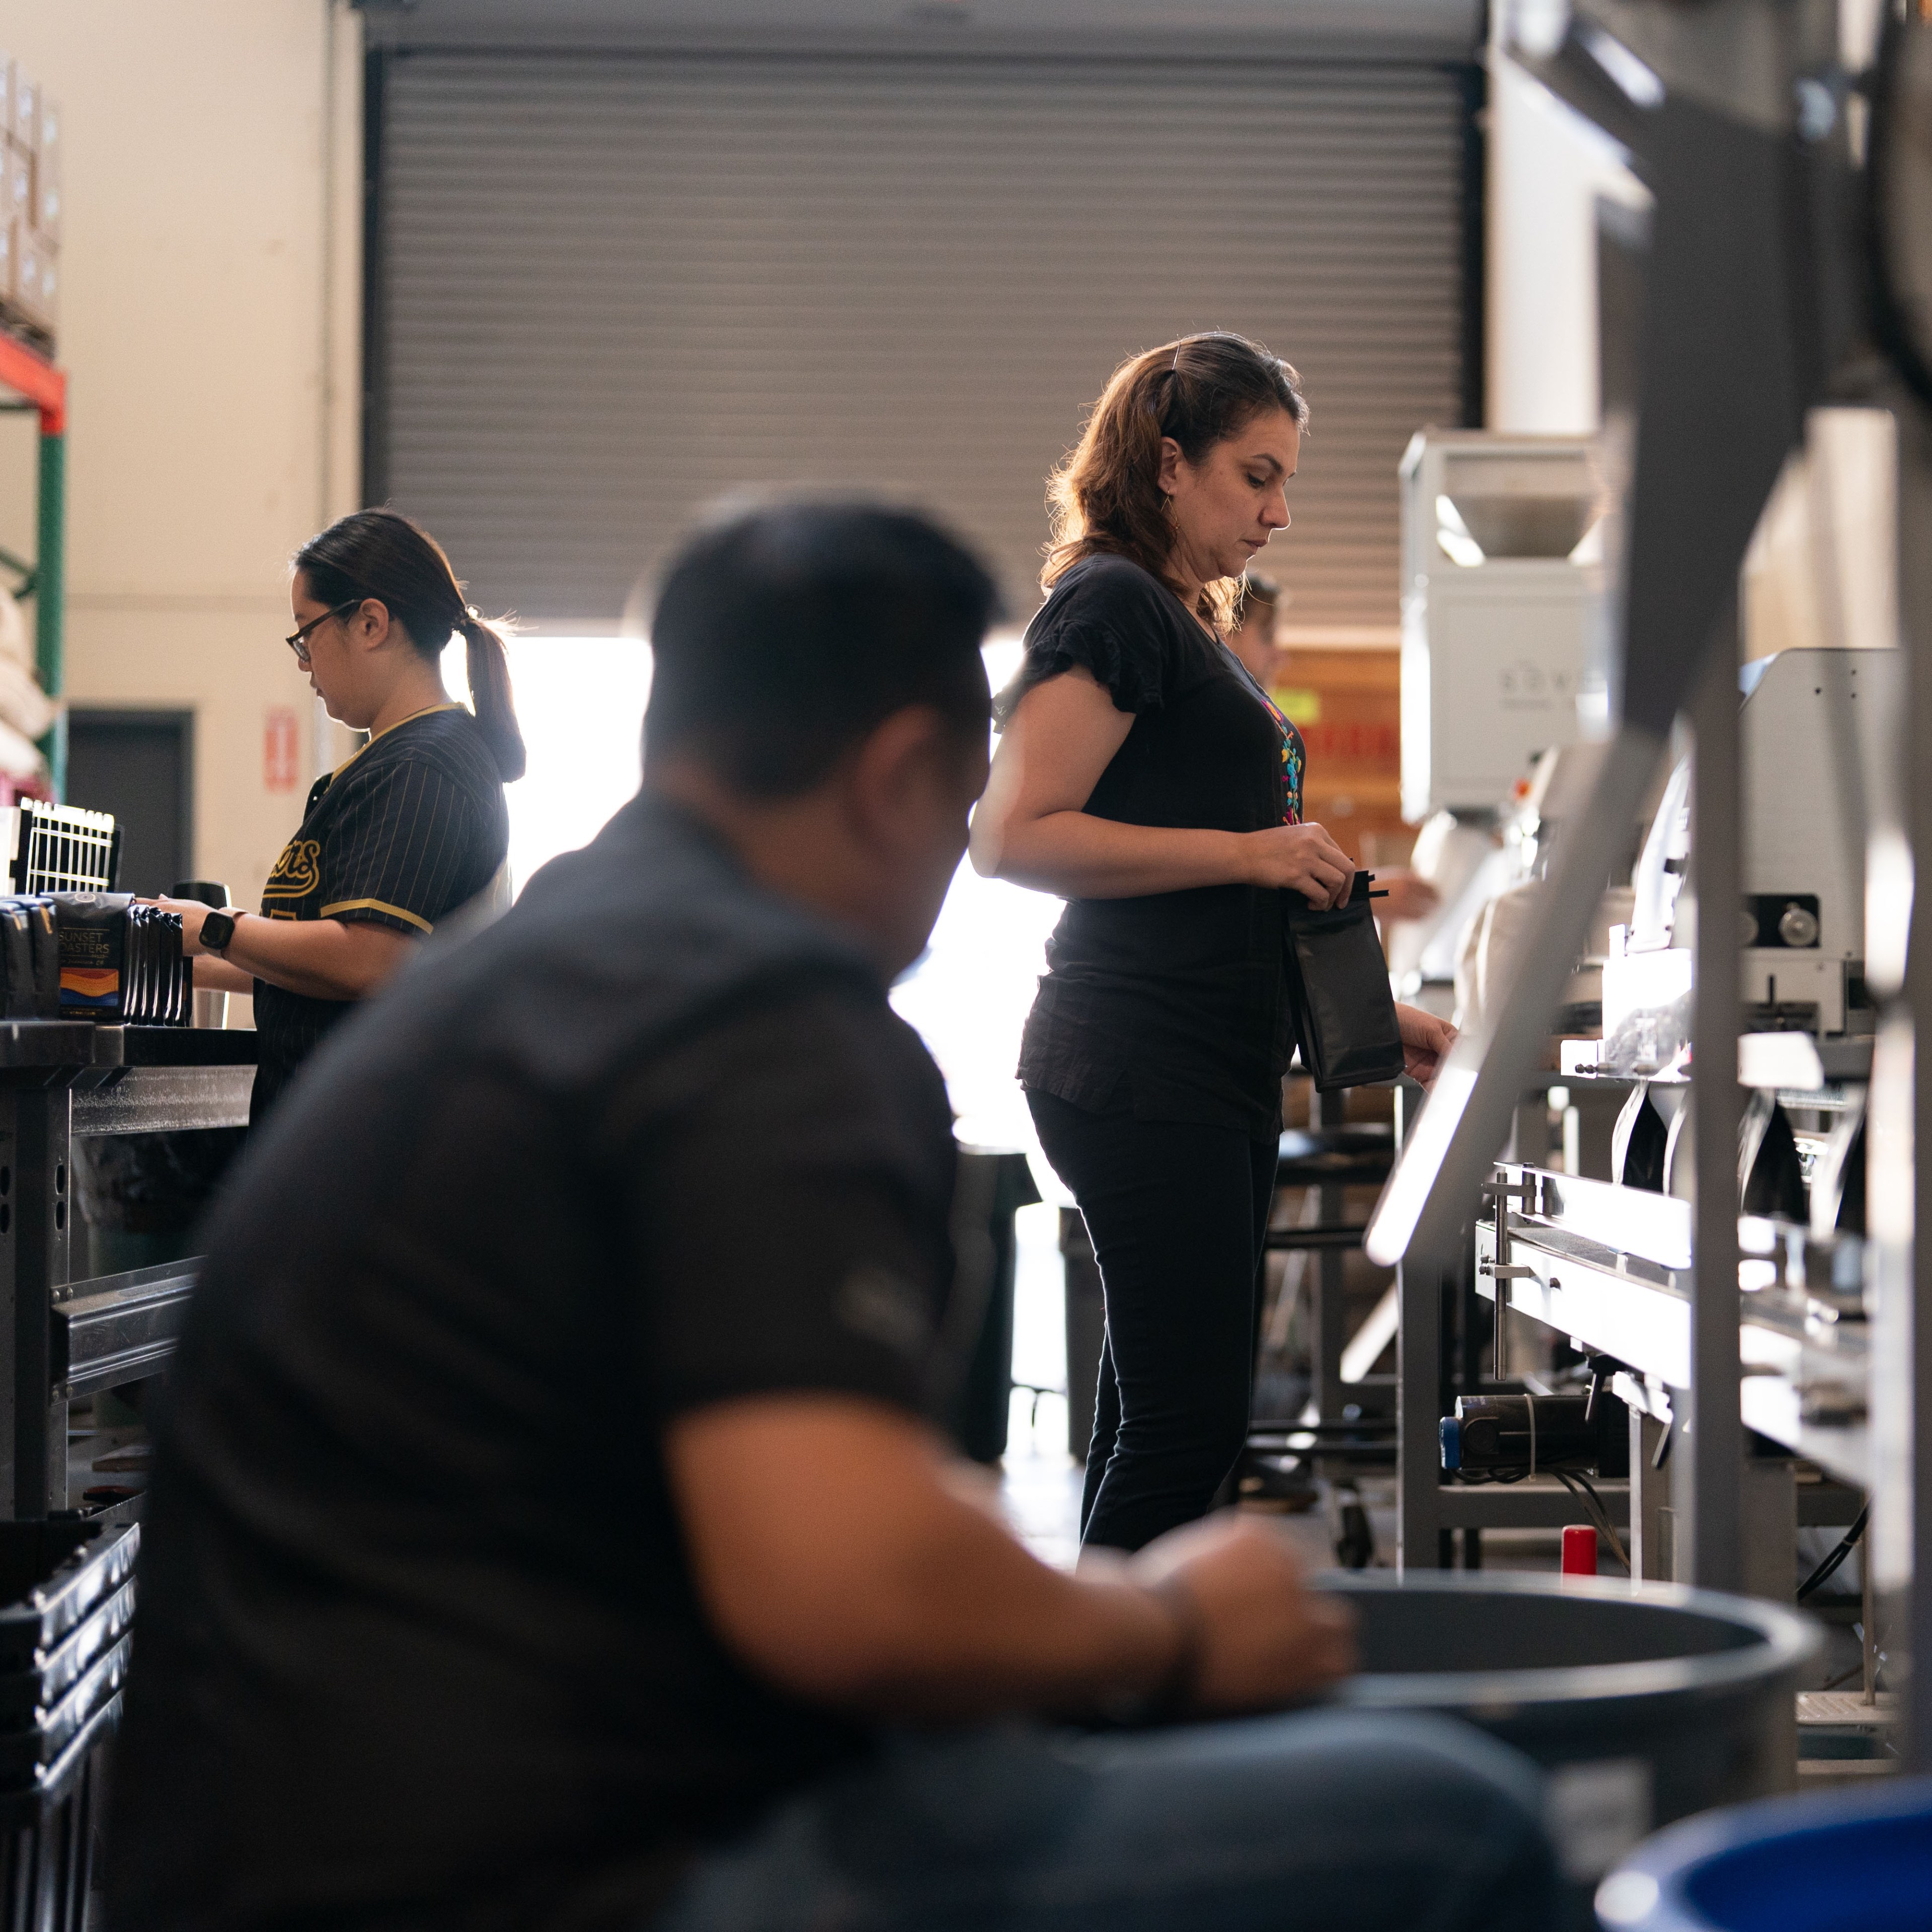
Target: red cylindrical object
[(1579, 1550)]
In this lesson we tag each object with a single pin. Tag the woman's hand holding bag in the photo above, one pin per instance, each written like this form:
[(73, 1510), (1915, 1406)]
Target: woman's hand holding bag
[(1301, 859)]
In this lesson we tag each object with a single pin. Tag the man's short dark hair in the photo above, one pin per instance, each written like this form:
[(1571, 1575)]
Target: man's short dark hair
[(785, 634)]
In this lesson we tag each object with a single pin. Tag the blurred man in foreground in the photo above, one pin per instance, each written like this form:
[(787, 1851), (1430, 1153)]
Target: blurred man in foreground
[(547, 1532)]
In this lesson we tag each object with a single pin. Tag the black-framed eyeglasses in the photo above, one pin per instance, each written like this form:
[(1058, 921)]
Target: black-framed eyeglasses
[(298, 641)]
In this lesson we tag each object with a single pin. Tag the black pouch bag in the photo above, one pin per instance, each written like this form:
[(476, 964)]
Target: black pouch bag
[(46, 957), (1344, 1012), (93, 954), (16, 944), (137, 974), (179, 972)]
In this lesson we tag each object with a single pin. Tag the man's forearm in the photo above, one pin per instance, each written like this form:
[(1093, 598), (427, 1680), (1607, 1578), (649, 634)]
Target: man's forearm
[(836, 1554), (973, 1625)]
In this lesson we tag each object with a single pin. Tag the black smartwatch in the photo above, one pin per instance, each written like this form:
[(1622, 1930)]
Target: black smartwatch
[(218, 929)]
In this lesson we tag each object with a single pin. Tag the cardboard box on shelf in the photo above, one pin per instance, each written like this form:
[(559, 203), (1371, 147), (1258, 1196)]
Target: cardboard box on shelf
[(46, 210), (25, 124), (47, 164), (36, 279), (16, 184)]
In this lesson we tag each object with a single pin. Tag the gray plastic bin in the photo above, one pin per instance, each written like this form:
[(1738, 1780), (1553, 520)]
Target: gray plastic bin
[(1643, 1708)]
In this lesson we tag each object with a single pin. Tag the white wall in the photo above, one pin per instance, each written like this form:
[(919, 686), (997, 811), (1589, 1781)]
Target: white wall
[(208, 327), (1546, 167)]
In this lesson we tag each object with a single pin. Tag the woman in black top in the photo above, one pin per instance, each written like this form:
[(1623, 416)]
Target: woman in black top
[(401, 834), (1146, 777)]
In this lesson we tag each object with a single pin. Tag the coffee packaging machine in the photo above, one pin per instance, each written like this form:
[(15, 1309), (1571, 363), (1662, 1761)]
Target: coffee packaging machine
[(1699, 1240), (1502, 593)]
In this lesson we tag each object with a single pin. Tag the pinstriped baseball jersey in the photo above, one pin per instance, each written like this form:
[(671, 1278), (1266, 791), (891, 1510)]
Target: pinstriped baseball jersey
[(411, 827)]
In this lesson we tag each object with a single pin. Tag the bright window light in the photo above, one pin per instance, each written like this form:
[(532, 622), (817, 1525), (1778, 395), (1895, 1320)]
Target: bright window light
[(968, 998), (968, 995), (580, 702)]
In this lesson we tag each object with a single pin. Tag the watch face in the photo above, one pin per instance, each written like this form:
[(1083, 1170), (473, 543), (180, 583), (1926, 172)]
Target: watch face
[(216, 930)]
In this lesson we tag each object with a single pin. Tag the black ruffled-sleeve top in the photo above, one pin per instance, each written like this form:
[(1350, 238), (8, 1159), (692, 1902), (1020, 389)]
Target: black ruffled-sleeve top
[(1173, 1006)]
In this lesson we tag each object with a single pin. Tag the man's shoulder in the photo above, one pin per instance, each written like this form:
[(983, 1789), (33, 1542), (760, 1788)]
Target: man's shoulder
[(686, 911), (627, 951)]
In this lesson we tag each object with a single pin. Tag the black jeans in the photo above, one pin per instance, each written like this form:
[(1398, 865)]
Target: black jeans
[(1178, 1214)]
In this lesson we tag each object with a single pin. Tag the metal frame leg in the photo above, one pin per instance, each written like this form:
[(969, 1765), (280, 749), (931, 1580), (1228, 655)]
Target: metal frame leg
[(1418, 1513), (42, 1195), (1419, 1532), (1915, 602), (1330, 1304), (1714, 1446), (1650, 1552)]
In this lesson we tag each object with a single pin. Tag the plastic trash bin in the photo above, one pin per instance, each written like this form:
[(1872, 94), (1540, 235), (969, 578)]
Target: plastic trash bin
[(1853, 1862), (1641, 1709)]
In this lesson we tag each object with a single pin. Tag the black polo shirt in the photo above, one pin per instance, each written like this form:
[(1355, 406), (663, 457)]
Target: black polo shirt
[(419, 1644), (1173, 1006), (411, 827)]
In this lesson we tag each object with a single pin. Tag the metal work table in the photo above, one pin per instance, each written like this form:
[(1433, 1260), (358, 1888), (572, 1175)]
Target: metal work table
[(59, 1079), (1610, 1266)]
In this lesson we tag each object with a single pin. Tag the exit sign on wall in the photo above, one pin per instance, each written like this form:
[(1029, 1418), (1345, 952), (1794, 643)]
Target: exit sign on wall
[(280, 757)]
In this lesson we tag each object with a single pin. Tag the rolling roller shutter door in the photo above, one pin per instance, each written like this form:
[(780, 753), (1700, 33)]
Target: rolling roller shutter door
[(608, 288)]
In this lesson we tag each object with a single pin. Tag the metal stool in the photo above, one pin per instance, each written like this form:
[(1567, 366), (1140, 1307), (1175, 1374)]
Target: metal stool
[(1328, 1157)]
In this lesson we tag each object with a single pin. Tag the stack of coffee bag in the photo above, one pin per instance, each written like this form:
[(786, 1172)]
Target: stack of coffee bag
[(120, 960)]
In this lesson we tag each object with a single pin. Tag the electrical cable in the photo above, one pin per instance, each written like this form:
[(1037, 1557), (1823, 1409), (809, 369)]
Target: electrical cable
[(1579, 1486), (1829, 1568)]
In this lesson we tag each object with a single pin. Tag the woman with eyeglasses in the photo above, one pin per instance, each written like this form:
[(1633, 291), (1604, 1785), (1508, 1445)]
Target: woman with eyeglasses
[(400, 835)]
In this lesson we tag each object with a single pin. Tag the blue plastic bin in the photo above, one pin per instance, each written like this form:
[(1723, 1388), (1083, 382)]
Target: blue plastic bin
[(1856, 1862)]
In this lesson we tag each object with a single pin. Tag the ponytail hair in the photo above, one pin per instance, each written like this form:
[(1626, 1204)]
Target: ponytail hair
[(490, 694), (382, 554), (1105, 497)]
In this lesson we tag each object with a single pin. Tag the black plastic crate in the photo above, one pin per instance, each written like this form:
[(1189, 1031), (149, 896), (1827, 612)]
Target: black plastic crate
[(47, 1833), (66, 1598), (24, 1694), (52, 1575), (26, 1752)]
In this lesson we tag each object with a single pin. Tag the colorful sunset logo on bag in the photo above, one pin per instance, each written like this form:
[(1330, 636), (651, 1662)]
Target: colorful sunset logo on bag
[(90, 986)]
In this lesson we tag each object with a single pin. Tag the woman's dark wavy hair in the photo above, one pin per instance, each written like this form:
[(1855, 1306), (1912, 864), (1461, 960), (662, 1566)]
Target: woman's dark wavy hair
[(380, 554), (1106, 497)]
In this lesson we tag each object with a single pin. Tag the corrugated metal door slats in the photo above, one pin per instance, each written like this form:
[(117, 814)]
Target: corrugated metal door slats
[(616, 288)]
